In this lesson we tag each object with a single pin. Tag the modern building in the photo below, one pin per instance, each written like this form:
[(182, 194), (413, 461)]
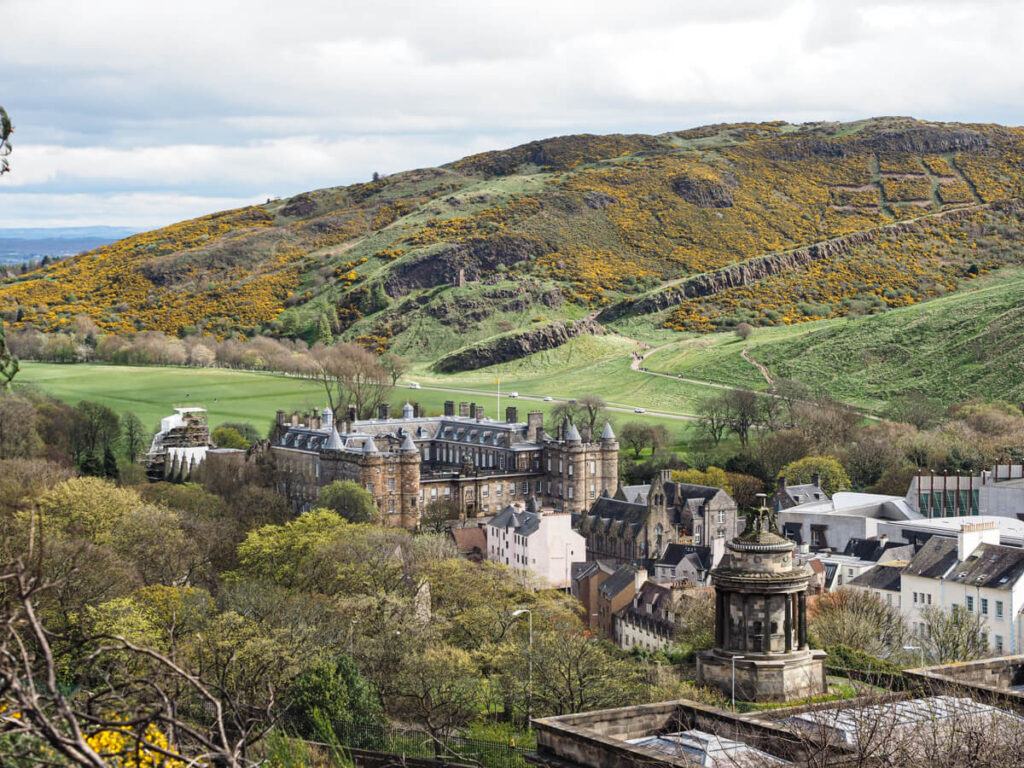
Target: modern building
[(999, 491), (535, 540), (477, 464), (761, 647), (832, 523)]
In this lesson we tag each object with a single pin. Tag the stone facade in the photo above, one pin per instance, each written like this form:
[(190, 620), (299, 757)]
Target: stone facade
[(761, 620), (477, 464)]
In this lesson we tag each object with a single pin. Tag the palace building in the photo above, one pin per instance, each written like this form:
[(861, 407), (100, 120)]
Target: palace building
[(478, 464)]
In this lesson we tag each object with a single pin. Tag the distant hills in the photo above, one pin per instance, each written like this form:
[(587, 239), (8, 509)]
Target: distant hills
[(502, 253), (22, 244)]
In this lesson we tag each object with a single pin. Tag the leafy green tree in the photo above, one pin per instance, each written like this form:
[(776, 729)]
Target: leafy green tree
[(833, 476), (90, 466), (248, 432), (636, 435), (228, 437), (332, 690), (323, 329), (859, 620), (350, 500), (953, 635), (87, 508), (133, 436), (9, 365)]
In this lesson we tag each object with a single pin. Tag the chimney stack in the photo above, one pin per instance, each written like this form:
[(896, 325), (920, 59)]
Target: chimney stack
[(511, 415), (416, 413), (384, 411), (816, 480), (534, 426), (449, 407), (351, 415), (780, 484), (464, 409)]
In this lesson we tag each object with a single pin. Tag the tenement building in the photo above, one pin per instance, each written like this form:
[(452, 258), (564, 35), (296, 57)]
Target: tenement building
[(477, 464)]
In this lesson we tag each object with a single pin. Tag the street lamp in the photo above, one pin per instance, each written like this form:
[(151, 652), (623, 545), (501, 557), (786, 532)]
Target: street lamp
[(734, 658), (916, 648), (529, 696)]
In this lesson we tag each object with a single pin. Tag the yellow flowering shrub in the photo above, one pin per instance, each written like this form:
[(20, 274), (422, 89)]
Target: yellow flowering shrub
[(124, 749), (907, 188)]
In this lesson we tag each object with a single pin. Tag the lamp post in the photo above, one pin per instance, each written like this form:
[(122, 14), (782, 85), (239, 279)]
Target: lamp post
[(916, 648), (734, 658), (529, 694)]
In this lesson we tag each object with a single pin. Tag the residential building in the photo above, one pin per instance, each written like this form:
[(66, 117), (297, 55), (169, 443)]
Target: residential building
[(478, 464), (687, 563), (859, 557), (972, 573), (883, 581), (656, 615), (471, 541), (615, 593), (587, 577), (787, 496), (538, 541), (635, 532)]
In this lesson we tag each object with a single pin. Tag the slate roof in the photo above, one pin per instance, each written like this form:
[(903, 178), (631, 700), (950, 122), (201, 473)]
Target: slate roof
[(873, 549), (608, 434), (934, 559), (613, 516), (801, 494), (633, 493), (674, 554), (623, 578), (885, 577), (523, 523), (990, 565)]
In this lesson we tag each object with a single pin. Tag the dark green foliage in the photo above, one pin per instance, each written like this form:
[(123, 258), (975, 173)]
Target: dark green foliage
[(331, 691), (90, 465), (350, 500), (110, 464), (228, 437)]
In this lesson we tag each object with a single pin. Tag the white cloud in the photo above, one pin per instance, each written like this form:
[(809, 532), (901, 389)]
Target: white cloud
[(222, 98)]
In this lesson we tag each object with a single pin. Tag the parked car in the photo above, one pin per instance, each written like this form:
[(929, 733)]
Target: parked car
[(639, 410), (414, 385), (513, 394), (548, 399)]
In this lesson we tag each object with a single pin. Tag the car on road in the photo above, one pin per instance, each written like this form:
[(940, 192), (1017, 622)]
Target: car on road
[(414, 385), (548, 399), (639, 410), (513, 394)]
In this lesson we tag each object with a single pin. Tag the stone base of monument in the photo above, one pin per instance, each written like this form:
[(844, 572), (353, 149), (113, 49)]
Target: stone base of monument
[(765, 678)]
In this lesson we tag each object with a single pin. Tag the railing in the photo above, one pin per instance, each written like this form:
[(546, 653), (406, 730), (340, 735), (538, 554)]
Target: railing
[(452, 747)]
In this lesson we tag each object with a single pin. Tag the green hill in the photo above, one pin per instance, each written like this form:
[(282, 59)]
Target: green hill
[(692, 231)]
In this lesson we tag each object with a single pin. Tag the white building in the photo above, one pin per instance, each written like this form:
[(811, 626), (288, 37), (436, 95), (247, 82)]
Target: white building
[(831, 523), (999, 492), (972, 572), (536, 540)]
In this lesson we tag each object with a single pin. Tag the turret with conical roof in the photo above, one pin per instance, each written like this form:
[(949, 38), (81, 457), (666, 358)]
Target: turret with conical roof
[(334, 442)]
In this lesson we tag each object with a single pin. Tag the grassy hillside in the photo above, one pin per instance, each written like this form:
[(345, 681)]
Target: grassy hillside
[(428, 261), (959, 347)]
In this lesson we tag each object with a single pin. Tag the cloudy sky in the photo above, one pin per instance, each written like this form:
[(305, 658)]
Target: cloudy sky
[(141, 113)]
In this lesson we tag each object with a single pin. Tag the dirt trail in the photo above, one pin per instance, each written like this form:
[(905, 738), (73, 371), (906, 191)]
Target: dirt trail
[(761, 367)]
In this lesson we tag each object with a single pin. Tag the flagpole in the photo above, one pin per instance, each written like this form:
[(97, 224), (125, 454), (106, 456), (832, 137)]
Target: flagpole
[(497, 413)]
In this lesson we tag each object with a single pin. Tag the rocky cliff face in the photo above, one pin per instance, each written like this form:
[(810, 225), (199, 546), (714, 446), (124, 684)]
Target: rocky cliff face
[(753, 270), (474, 259), (518, 345)]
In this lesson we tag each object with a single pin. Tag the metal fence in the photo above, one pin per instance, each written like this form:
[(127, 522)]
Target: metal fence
[(461, 749)]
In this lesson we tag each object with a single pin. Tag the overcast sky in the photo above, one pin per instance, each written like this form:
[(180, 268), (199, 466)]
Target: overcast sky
[(141, 113)]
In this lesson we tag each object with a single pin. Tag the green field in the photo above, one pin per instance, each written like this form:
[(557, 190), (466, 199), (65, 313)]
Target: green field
[(228, 395)]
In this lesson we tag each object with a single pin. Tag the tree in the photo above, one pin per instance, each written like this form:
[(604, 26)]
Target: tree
[(636, 435), (833, 476), (323, 329), (438, 515), (350, 500), (228, 437), (859, 620), (439, 690), (95, 427), (133, 436), (914, 408), (248, 432), (714, 417), (742, 413), (394, 365), (350, 375), (953, 635), (331, 691), (8, 362), (592, 411), (18, 435), (110, 469), (743, 331)]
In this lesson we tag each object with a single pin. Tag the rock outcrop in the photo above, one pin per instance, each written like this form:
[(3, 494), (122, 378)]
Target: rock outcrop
[(710, 283), (515, 346)]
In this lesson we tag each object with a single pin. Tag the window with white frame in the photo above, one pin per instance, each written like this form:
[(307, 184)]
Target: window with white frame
[(969, 603), (984, 606), (999, 609)]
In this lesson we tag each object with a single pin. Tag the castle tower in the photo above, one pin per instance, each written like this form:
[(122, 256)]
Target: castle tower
[(409, 482), (761, 620), (609, 477)]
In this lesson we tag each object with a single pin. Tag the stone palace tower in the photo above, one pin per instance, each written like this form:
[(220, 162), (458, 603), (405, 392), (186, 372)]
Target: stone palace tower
[(761, 620)]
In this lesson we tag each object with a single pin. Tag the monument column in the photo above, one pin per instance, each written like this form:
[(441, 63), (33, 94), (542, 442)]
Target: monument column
[(788, 626), (802, 623)]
